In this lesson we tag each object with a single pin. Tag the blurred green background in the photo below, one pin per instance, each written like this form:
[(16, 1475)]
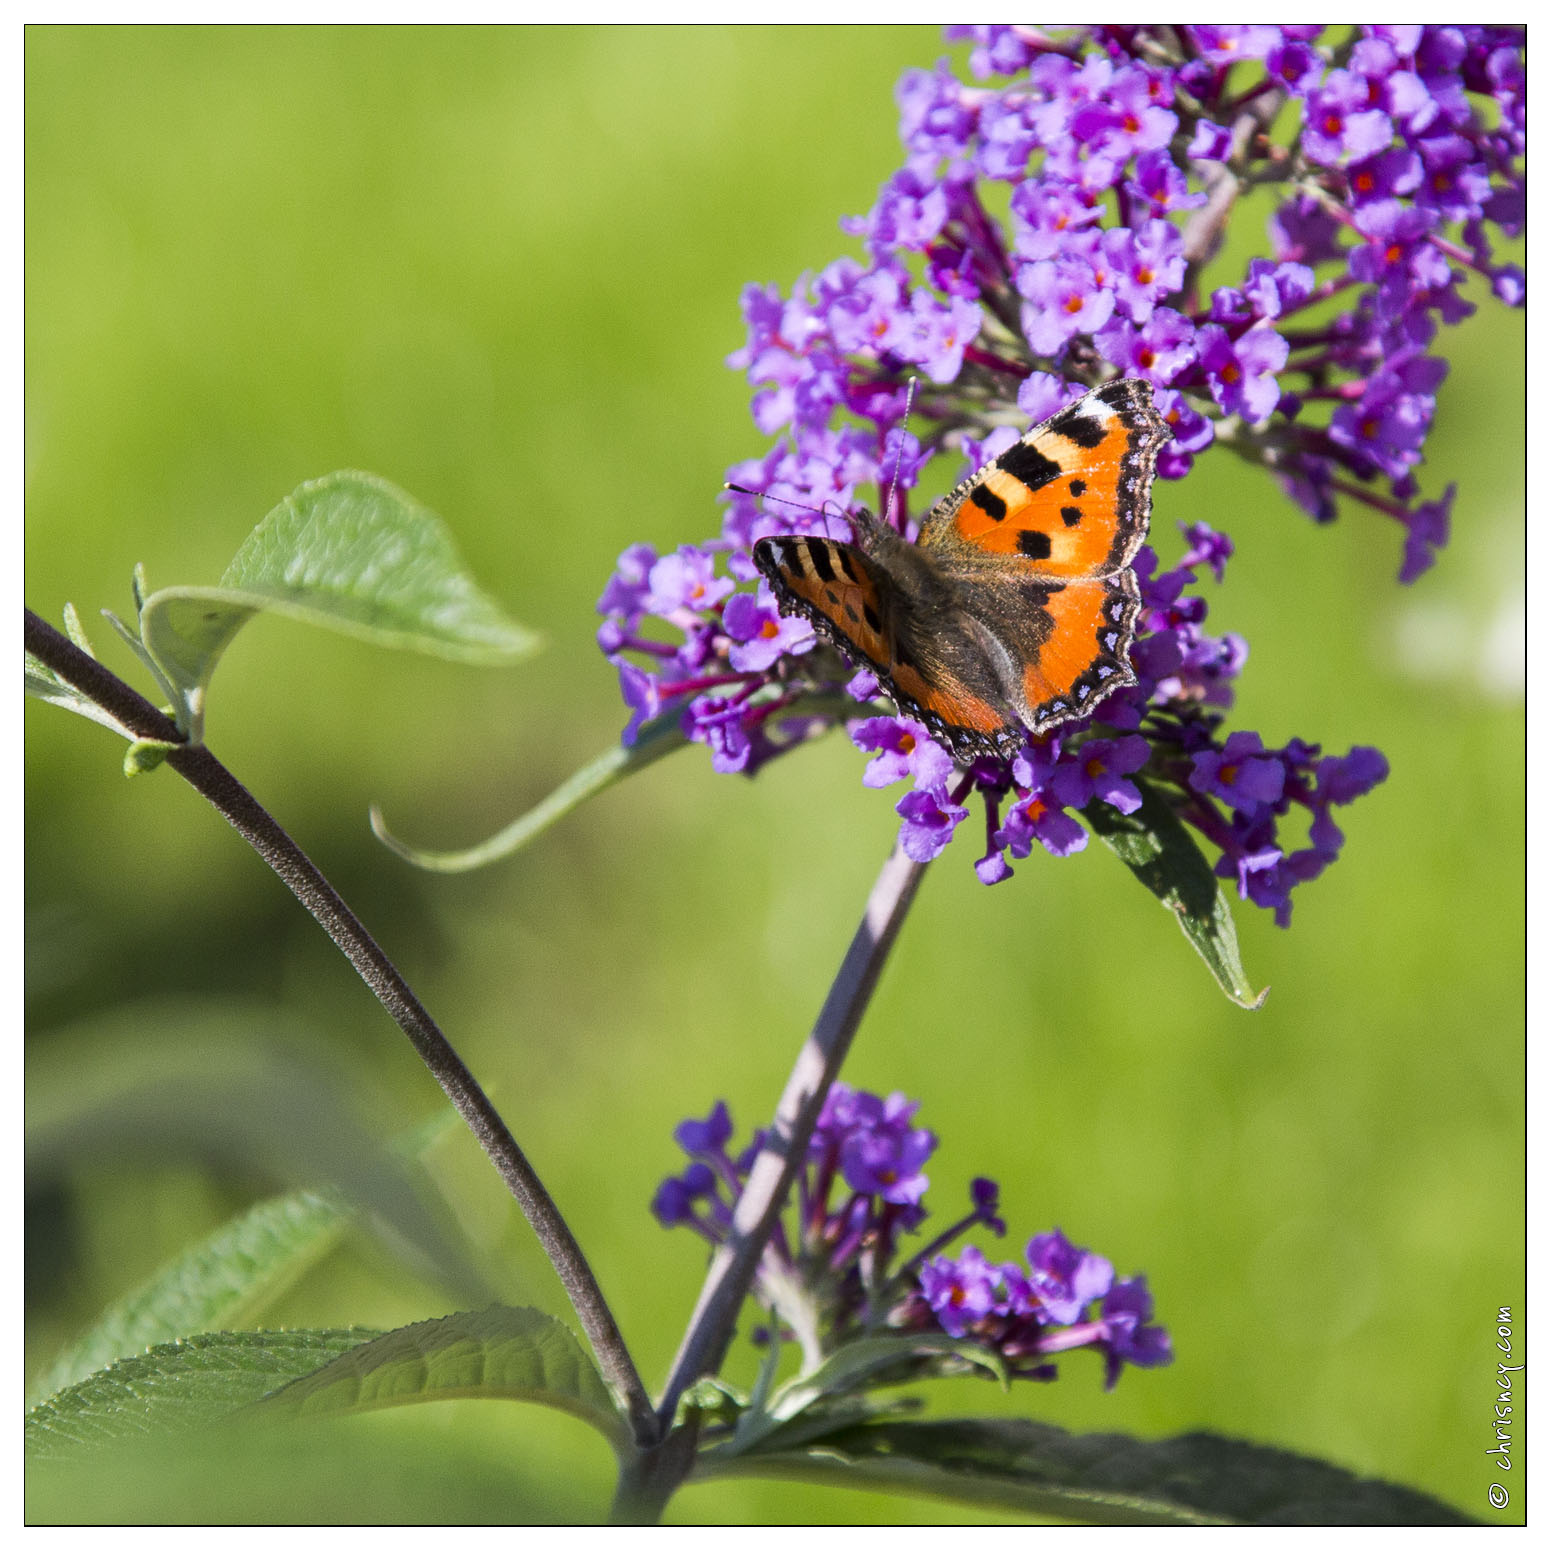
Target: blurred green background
[(501, 268)]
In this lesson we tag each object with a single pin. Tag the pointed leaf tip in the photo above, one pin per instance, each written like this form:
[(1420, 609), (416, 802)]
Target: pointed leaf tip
[(654, 739), (1156, 846), (1095, 1478)]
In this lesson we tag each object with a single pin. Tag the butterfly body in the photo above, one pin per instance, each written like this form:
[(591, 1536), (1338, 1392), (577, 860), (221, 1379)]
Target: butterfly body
[(1014, 610)]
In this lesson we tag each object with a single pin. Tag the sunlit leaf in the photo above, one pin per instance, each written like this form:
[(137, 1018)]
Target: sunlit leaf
[(349, 551), (179, 1387), (42, 685)]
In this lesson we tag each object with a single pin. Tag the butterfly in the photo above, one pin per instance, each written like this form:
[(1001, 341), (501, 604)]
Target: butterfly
[(1014, 610)]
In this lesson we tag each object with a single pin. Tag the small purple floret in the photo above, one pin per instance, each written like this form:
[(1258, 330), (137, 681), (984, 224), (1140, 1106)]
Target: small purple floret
[(904, 749), (1241, 773)]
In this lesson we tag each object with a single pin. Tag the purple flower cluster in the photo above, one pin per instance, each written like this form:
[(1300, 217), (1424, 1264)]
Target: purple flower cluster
[(1124, 150), (1067, 1297), (830, 1273)]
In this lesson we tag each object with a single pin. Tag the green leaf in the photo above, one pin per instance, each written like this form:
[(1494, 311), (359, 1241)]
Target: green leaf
[(349, 551), (654, 739), (719, 1403), (496, 1353), (897, 1358), (868, 1361), (1097, 1478), (1158, 848), (43, 684), (662, 735), (77, 631), (225, 1079), (224, 1280), (180, 1387)]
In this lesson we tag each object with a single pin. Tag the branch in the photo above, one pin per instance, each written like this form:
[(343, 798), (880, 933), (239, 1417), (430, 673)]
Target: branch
[(208, 776), (1204, 229), (786, 1146)]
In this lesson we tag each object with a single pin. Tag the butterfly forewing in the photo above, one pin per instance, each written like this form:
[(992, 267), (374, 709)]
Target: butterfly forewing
[(1070, 499), (877, 625)]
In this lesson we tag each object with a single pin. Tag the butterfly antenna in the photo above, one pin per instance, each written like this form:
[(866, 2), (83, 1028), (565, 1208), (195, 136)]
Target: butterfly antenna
[(899, 450), (760, 495)]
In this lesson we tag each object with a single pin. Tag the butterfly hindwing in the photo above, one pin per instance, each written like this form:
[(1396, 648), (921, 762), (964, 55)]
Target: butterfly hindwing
[(1083, 654), (1070, 499), (969, 722)]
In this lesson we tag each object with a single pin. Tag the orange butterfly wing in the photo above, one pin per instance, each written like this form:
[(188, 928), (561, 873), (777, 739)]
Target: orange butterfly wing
[(1071, 498), (836, 588), (1082, 656), (951, 709)]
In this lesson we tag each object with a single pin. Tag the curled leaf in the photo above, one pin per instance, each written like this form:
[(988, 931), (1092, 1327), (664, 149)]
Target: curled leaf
[(146, 754)]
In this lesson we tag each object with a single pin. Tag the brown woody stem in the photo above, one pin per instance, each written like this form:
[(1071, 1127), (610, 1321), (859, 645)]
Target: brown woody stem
[(213, 781)]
